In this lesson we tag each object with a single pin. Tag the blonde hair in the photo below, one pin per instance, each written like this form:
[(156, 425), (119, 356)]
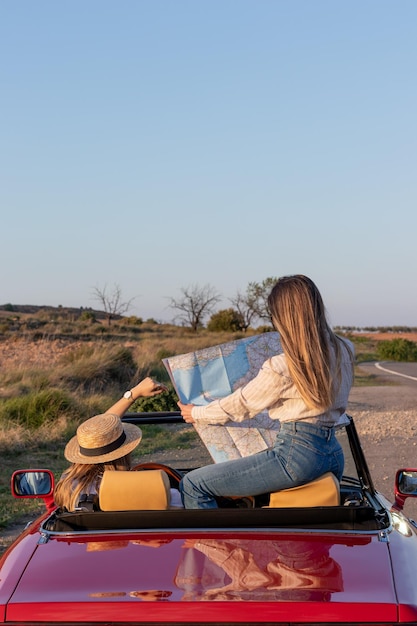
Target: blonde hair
[(82, 478), (313, 351)]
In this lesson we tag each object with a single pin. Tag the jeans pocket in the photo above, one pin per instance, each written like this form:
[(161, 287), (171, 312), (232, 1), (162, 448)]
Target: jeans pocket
[(304, 462)]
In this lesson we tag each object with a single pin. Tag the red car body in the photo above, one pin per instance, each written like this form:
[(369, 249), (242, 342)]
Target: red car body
[(355, 563)]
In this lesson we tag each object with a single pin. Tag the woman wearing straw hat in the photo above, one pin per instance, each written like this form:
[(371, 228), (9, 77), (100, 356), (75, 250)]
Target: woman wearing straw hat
[(102, 442)]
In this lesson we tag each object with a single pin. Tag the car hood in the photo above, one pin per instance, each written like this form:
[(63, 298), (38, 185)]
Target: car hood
[(234, 576)]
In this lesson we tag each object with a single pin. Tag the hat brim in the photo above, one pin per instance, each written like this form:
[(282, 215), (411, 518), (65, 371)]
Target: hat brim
[(133, 437)]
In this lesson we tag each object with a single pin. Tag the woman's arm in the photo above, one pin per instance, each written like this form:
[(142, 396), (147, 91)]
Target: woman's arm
[(260, 393), (145, 389)]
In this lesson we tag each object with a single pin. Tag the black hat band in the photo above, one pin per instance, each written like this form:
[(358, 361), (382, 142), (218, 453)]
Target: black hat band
[(104, 449)]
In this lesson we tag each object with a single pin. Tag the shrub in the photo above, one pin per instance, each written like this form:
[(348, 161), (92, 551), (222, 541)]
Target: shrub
[(88, 316), (163, 402), (159, 372), (397, 350), (227, 320), (37, 408), (99, 329), (163, 353), (16, 380), (93, 368), (265, 329), (133, 320), (35, 323)]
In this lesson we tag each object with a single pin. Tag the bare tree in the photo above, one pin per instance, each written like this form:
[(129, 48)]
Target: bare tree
[(253, 303), (245, 306), (111, 301), (195, 304)]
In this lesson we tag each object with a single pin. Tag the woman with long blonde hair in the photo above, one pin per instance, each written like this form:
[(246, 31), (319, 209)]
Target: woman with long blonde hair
[(102, 443), (305, 387)]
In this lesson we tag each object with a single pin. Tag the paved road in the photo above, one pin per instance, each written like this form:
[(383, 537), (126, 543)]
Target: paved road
[(395, 387), (402, 370), (394, 371)]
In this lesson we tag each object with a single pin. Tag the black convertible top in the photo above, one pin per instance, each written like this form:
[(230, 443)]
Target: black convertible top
[(332, 518)]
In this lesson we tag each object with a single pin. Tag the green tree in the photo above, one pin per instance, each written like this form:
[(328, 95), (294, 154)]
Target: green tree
[(260, 293), (253, 303), (228, 320)]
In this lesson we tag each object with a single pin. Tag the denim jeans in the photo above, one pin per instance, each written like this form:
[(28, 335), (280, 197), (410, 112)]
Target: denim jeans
[(301, 453)]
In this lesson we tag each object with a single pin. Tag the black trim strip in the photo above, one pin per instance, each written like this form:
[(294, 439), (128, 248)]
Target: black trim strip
[(104, 449)]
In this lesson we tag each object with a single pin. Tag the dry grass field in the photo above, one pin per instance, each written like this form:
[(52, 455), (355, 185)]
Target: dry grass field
[(387, 336), (23, 352)]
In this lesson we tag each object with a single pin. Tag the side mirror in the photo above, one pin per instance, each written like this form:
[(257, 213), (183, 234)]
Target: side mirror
[(34, 483), (405, 486)]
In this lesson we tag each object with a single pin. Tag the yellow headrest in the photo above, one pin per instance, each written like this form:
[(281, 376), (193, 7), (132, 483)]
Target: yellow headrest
[(324, 491), (132, 491)]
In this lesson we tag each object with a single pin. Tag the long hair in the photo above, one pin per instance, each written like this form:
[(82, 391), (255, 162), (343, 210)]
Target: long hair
[(312, 349), (80, 478)]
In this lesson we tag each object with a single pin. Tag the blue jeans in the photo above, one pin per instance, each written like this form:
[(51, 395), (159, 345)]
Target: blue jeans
[(301, 453)]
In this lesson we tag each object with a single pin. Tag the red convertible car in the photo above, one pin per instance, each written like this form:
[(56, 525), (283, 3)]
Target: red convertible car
[(324, 553)]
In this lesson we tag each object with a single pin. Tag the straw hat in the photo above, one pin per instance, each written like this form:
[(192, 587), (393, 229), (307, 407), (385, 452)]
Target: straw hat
[(102, 438)]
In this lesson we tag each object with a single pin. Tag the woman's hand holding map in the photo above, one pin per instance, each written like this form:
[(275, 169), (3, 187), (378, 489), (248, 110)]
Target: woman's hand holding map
[(186, 412)]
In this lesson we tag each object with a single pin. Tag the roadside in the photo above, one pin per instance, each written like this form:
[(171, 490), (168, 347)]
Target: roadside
[(386, 421)]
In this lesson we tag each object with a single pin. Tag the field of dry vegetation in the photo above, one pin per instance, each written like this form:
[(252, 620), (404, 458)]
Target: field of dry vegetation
[(59, 368)]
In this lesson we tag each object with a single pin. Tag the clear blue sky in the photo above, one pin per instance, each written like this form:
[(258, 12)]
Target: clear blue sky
[(159, 144)]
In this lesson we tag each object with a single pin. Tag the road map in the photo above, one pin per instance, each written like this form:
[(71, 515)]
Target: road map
[(212, 373)]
